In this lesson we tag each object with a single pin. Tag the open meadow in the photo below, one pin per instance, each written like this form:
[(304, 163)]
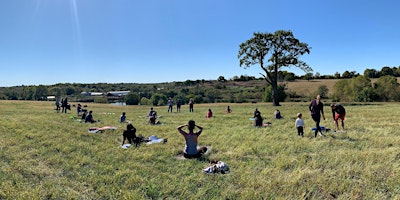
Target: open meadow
[(49, 155)]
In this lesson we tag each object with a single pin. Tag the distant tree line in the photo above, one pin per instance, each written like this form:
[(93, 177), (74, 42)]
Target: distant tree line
[(351, 87), (361, 89)]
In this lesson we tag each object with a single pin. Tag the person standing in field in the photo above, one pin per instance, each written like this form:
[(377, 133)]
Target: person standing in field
[(78, 109), (64, 105), (178, 105), (192, 150), (170, 104), (316, 108), (338, 112), (191, 105), (300, 125), (57, 104)]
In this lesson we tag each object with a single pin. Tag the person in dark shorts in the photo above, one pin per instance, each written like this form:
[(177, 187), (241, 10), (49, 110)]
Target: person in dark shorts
[(300, 125), (170, 104), (191, 105), (178, 105), (65, 105)]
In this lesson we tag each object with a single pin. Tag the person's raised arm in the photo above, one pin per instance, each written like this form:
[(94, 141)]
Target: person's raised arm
[(200, 129), (180, 128)]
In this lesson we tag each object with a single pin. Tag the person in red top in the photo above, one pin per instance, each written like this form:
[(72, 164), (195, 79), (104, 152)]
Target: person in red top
[(338, 112), (209, 113)]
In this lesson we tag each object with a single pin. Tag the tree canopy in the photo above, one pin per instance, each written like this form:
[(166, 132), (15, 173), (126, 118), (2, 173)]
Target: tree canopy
[(272, 51)]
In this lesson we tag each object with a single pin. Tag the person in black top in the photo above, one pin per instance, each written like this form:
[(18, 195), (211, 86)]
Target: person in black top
[(338, 112), (129, 134), (317, 110), (89, 118), (258, 118), (178, 105), (191, 105), (153, 119), (64, 105)]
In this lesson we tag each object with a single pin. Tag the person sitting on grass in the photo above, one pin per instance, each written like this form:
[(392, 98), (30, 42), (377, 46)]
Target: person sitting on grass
[(151, 112), (228, 110), (153, 119), (258, 119), (89, 118), (277, 114), (209, 113), (84, 113), (129, 134), (122, 118), (191, 140)]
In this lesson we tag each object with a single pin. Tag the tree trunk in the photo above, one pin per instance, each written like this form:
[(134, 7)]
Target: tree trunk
[(275, 98)]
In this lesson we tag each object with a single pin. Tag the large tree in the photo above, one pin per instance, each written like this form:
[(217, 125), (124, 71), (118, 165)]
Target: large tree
[(273, 51)]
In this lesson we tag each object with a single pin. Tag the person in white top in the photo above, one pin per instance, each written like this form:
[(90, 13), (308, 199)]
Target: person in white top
[(170, 104), (300, 125)]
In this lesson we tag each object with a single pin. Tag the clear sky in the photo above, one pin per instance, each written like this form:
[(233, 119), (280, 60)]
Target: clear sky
[(153, 41)]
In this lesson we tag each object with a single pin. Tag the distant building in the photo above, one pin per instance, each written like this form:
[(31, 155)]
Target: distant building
[(85, 94), (51, 98), (96, 94), (118, 93)]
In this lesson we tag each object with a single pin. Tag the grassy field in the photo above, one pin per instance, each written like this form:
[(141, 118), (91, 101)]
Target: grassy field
[(308, 88), (49, 155)]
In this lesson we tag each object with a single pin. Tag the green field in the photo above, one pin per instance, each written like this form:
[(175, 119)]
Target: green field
[(49, 155)]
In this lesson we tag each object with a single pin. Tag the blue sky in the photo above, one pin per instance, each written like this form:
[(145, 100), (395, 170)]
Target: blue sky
[(152, 41)]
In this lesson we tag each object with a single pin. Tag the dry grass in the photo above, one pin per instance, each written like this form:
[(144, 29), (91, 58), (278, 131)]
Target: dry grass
[(308, 88), (47, 155)]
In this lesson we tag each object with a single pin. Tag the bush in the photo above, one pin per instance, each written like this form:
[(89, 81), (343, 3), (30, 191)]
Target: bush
[(268, 94), (132, 99), (145, 101)]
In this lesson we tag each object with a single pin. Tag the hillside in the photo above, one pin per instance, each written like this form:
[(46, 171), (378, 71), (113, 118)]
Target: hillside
[(307, 88), (202, 91)]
